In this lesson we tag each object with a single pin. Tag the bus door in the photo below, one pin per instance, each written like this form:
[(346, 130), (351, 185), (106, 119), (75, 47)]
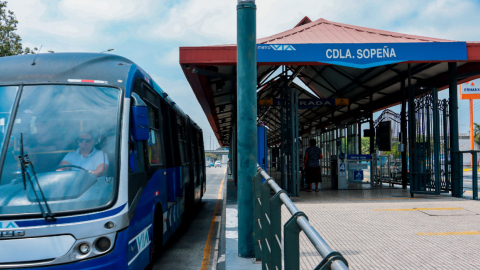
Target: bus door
[(147, 179), (190, 160), (184, 170)]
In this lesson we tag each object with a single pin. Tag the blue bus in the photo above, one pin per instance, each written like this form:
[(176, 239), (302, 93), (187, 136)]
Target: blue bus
[(98, 166)]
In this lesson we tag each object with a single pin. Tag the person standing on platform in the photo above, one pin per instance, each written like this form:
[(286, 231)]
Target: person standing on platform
[(311, 164)]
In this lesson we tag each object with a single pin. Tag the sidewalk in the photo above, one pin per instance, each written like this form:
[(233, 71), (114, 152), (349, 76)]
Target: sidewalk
[(233, 262), (386, 229)]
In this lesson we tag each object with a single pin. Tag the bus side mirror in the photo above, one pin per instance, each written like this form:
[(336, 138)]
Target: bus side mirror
[(139, 119)]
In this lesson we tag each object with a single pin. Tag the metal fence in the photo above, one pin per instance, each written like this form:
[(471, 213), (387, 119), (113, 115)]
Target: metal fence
[(474, 171), (268, 230)]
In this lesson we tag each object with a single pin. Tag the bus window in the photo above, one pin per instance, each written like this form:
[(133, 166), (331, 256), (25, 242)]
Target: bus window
[(6, 104), (155, 155), (201, 159), (63, 125), (175, 138), (181, 137), (166, 132), (136, 158), (153, 117)]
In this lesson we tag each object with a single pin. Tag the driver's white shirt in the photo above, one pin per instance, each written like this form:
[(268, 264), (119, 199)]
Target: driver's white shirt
[(90, 162)]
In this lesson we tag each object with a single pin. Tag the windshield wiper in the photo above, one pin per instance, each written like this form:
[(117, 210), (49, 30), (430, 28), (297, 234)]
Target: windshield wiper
[(27, 170), (21, 157)]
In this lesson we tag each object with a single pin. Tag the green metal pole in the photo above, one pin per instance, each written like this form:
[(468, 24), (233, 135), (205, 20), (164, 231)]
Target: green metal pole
[(446, 147), (436, 141), (411, 133), (456, 166), (246, 123), (372, 129), (475, 176), (404, 135)]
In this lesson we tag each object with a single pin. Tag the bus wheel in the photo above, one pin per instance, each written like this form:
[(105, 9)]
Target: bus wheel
[(157, 239)]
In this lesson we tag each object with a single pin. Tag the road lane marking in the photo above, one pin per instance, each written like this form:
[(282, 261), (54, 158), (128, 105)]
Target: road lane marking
[(215, 253), (384, 199), (208, 245), (448, 233), (420, 209)]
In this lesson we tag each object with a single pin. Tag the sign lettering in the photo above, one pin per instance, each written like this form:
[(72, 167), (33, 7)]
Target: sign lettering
[(307, 103), (362, 55)]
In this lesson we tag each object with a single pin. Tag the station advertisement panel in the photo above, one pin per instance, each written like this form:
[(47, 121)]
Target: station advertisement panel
[(361, 55)]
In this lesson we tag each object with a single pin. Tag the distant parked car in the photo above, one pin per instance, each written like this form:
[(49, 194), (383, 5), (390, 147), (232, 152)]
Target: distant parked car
[(218, 164), (209, 164)]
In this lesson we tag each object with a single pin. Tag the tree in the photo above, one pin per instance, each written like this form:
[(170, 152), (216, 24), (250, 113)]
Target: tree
[(476, 133), (10, 42), (394, 153), (365, 145)]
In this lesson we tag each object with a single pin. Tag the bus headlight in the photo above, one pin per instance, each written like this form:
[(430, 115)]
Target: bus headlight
[(109, 225), (103, 244), (91, 247), (84, 248)]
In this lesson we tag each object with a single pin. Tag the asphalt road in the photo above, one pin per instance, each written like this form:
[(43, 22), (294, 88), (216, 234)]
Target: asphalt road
[(186, 249)]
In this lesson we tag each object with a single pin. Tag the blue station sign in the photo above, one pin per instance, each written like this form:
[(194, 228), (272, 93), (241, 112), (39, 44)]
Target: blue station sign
[(359, 157), (307, 103), (362, 55)]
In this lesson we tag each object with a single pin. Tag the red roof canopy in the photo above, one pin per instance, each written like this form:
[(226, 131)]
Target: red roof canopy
[(319, 31), (211, 72)]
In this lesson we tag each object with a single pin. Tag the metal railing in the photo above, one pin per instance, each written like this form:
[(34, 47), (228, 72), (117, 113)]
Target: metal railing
[(268, 230), (474, 154)]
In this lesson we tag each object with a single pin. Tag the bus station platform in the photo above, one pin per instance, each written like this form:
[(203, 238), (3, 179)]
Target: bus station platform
[(385, 228), (270, 100), (377, 228)]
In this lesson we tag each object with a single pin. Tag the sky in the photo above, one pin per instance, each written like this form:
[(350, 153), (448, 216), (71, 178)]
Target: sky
[(150, 32)]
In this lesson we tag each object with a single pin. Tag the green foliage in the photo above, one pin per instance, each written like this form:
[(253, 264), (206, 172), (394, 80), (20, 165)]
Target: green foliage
[(365, 145), (394, 153), (10, 42), (476, 133)]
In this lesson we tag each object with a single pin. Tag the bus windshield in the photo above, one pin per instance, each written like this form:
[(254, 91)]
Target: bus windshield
[(70, 134)]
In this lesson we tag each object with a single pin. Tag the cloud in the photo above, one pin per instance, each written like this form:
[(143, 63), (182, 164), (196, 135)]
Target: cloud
[(445, 19), (108, 10), (171, 58), (38, 20), (213, 22), (149, 32), (207, 21)]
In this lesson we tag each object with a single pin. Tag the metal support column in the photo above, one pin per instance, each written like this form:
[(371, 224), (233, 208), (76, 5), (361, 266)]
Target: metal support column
[(456, 166), (235, 153), (293, 155), (372, 129), (283, 148), (436, 141), (403, 128), (297, 143), (411, 128), (359, 131), (446, 147), (246, 123), (474, 175)]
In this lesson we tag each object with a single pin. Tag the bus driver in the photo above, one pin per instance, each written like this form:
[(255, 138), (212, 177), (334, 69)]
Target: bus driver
[(86, 156)]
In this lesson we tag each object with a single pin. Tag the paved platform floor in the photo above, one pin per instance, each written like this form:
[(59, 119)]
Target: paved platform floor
[(233, 261), (387, 229)]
